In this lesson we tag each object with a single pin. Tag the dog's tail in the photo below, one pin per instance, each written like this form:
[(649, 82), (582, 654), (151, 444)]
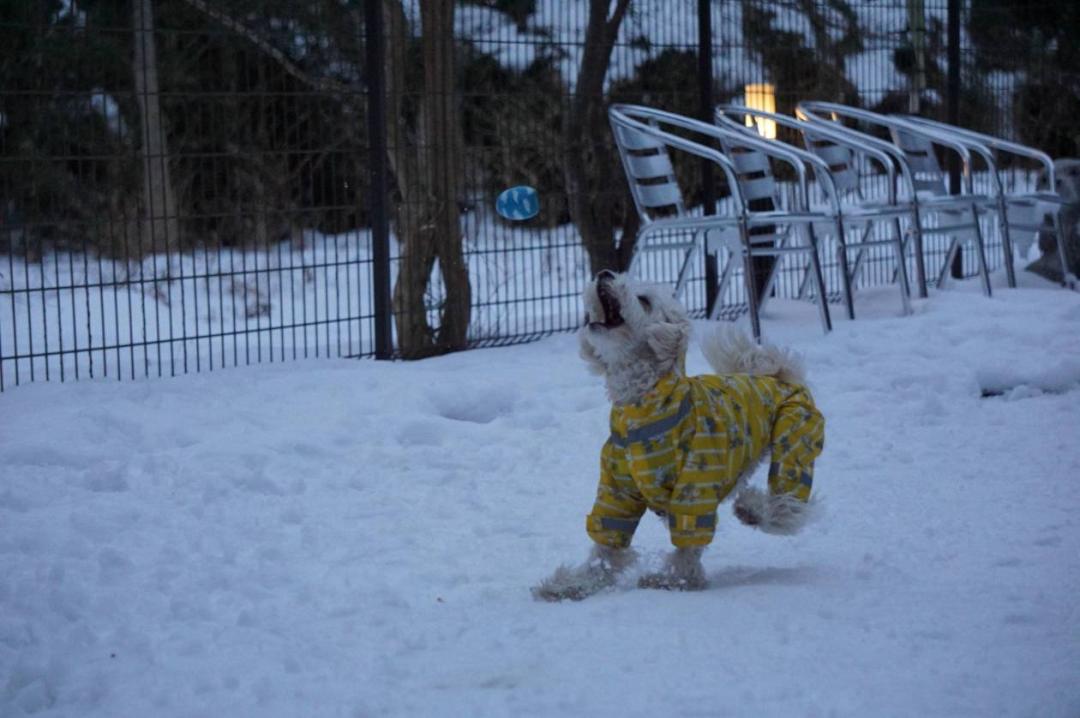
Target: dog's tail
[(730, 351)]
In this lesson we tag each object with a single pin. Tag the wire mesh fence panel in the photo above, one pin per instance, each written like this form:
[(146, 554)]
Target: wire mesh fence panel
[(177, 197), (187, 185)]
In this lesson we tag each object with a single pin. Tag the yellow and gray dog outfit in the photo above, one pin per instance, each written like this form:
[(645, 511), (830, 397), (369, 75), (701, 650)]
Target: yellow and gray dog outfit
[(682, 448)]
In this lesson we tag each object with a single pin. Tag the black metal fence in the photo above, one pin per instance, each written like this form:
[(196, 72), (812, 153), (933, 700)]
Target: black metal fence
[(187, 185)]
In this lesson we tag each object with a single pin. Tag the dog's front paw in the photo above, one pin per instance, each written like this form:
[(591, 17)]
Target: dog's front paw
[(668, 581), (599, 572), (682, 572), (573, 584)]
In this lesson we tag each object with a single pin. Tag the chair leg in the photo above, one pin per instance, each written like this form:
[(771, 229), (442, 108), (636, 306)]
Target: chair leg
[(861, 254), (819, 278), (902, 278), (721, 286), (1006, 243), (750, 282), (680, 283), (920, 262), (845, 272), (804, 283), (774, 269), (954, 247), (981, 247), (770, 281), (1059, 238), (902, 259)]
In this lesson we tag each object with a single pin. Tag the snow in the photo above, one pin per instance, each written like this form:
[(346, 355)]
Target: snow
[(673, 24), (67, 9), (105, 105), (354, 538)]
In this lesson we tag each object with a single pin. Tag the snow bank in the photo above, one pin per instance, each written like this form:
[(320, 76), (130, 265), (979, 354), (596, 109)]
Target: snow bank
[(352, 538)]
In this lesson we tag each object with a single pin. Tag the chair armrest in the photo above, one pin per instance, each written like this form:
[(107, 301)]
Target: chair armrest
[(627, 115), (877, 148), (795, 157), (785, 154), (994, 143), (882, 152), (962, 149), (821, 169)]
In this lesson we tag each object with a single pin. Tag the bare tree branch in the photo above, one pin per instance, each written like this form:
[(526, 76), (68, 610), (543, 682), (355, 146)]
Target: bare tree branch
[(324, 84), (616, 19)]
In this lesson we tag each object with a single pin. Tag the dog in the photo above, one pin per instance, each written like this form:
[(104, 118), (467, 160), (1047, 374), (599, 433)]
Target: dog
[(680, 445)]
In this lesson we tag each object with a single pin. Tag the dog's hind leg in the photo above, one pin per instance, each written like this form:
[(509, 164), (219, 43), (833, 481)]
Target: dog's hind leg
[(574, 583), (798, 437)]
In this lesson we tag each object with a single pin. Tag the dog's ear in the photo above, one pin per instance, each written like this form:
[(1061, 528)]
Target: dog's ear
[(588, 353), (668, 340)]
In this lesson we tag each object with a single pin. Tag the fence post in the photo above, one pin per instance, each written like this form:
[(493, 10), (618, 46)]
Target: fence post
[(705, 97), (377, 170), (917, 27), (952, 110)]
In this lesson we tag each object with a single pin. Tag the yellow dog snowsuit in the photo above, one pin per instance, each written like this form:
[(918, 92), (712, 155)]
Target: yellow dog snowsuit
[(681, 449)]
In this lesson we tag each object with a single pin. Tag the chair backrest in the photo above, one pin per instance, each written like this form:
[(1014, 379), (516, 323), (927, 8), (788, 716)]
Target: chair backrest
[(841, 161), (915, 145), (833, 165), (649, 171), (753, 172), (925, 169)]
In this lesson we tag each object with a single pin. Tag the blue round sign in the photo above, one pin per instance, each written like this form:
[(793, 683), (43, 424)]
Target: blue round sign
[(518, 203)]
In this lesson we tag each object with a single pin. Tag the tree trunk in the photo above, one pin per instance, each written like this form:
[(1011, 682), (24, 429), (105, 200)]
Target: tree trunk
[(426, 169), (159, 219), (591, 166), (444, 139)]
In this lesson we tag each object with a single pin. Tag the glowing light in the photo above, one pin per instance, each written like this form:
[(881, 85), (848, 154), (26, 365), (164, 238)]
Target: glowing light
[(761, 96)]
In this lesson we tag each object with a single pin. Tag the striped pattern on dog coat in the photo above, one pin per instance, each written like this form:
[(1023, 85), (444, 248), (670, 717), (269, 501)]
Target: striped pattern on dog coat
[(682, 448)]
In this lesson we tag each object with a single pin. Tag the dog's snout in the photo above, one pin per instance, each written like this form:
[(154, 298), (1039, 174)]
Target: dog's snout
[(605, 275)]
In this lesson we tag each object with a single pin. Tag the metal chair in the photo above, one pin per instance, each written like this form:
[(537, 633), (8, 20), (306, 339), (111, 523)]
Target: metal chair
[(913, 146), (834, 166), (1022, 211), (645, 136)]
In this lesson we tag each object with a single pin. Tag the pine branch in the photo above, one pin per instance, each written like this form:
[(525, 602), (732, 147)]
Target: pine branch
[(324, 84)]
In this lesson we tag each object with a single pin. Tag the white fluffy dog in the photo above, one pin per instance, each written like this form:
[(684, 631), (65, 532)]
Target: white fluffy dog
[(665, 427)]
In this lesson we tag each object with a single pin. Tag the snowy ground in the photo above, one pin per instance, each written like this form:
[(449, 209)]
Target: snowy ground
[(352, 538)]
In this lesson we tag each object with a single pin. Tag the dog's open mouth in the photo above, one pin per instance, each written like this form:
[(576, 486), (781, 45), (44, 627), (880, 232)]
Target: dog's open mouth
[(609, 304)]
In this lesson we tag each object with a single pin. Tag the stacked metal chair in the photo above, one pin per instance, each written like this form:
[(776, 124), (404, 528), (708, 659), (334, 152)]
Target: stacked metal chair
[(761, 226), (833, 159), (913, 147), (1020, 214), (645, 137)]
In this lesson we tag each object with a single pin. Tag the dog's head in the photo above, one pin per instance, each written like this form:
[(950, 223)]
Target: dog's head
[(627, 320)]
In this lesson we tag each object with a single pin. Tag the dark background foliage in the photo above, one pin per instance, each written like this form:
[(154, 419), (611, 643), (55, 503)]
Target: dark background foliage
[(257, 154)]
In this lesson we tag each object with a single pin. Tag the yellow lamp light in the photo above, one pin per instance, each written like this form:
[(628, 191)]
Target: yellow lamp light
[(761, 96)]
